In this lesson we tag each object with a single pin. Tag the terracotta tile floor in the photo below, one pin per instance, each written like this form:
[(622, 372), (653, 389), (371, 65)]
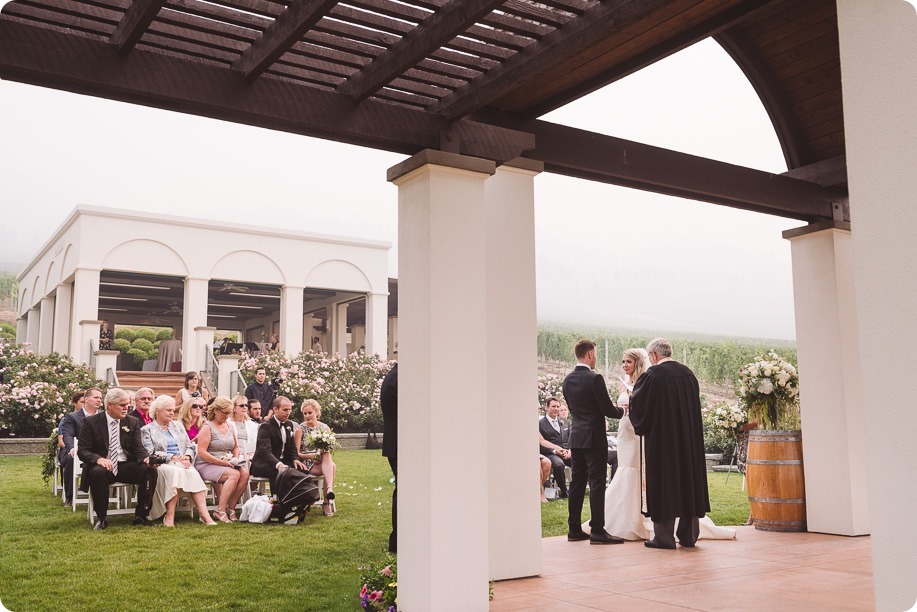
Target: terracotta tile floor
[(756, 571)]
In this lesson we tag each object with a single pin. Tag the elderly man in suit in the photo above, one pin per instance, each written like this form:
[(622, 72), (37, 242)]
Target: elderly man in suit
[(275, 450), (585, 391), (69, 430), (556, 430), (111, 451)]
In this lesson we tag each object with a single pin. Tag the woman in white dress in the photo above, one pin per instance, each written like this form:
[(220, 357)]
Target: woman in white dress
[(624, 496)]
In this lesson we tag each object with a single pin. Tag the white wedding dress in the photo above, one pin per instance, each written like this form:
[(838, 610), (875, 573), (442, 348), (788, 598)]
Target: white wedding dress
[(623, 498)]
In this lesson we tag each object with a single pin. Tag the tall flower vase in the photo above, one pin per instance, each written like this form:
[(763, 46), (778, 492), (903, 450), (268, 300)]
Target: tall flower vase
[(774, 473)]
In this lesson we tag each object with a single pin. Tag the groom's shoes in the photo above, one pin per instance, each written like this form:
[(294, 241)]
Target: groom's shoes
[(604, 538), (654, 544), (577, 536)]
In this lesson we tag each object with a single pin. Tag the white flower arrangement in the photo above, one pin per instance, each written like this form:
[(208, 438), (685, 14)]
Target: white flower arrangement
[(728, 417), (769, 386), (321, 439)]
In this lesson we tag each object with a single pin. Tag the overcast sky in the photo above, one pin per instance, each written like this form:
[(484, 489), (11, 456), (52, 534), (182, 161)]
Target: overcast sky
[(605, 255)]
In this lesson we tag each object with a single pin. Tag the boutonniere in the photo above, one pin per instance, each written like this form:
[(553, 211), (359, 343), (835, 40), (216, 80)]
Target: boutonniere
[(126, 429)]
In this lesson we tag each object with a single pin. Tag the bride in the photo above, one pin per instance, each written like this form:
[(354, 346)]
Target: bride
[(624, 496)]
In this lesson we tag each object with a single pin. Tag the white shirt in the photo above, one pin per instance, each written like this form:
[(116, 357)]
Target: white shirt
[(122, 456)]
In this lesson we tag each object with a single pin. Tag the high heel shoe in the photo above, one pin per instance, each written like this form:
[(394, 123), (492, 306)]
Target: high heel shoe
[(221, 516), (212, 523), (328, 506), (231, 515), (168, 523)]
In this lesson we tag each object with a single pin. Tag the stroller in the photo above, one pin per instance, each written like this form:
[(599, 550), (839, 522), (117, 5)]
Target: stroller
[(295, 493)]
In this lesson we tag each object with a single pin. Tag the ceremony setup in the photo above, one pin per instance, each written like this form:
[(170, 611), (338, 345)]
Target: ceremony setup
[(267, 313)]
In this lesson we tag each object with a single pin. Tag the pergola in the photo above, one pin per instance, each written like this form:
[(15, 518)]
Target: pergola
[(460, 85)]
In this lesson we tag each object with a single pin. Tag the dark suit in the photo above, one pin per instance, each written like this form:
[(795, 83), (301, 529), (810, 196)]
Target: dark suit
[(388, 398), (587, 396), (93, 446), (562, 439), (270, 449), (69, 428)]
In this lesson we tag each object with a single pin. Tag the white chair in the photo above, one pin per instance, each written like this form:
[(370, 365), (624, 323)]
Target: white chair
[(78, 496), (58, 488)]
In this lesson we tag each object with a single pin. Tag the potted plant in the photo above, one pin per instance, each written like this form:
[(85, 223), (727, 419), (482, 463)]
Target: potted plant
[(769, 388)]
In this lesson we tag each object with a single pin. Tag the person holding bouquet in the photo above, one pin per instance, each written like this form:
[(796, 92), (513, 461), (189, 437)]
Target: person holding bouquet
[(315, 441)]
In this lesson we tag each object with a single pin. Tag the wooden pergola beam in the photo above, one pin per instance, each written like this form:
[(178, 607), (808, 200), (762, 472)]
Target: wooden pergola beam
[(434, 32), (298, 18), (136, 20)]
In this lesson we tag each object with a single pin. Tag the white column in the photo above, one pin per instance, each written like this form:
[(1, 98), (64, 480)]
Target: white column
[(339, 338), (393, 337), (291, 319), (88, 342), (85, 307), (46, 325), (22, 329), (441, 268), (194, 315), (62, 305), (227, 364), (106, 360), (376, 324), (512, 333), (831, 398), (329, 335), (308, 330), (357, 337), (33, 326), (878, 44)]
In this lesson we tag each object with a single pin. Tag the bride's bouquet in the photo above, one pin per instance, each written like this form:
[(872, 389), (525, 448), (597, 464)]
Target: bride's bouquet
[(321, 439)]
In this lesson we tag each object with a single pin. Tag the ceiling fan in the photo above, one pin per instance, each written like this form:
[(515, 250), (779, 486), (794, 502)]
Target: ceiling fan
[(233, 287)]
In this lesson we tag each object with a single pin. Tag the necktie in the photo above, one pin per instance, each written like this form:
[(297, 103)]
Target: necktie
[(556, 425), (113, 446), (283, 438)]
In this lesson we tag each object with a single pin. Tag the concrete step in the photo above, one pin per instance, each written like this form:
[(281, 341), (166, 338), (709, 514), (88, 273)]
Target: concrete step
[(160, 382)]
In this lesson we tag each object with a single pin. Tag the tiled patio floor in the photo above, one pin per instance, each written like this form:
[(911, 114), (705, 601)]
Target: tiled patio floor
[(756, 571)]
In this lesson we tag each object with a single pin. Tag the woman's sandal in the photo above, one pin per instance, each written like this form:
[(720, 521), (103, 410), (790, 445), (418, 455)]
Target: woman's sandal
[(231, 515), (221, 516)]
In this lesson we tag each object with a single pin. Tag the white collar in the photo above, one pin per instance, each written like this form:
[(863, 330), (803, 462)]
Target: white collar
[(110, 419), (580, 364)]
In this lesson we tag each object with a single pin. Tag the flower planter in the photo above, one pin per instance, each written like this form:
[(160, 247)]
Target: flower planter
[(776, 488)]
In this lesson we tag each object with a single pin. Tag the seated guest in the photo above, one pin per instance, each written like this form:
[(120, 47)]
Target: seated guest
[(192, 388), (142, 411), (254, 411), (191, 415), (110, 449), (317, 461), (76, 402), (556, 431), (220, 460), (246, 429), (69, 432), (166, 438), (545, 470), (275, 450)]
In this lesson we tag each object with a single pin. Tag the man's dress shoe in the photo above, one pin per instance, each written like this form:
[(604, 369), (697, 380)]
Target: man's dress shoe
[(653, 544), (604, 538), (101, 524), (577, 536), (142, 520)]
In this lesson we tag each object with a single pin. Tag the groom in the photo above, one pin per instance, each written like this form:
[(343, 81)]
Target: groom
[(587, 396)]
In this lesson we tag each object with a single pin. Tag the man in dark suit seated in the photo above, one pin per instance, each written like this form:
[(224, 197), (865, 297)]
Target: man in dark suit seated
[(69, 430), (111, 451), (275, 450), (556, 431)]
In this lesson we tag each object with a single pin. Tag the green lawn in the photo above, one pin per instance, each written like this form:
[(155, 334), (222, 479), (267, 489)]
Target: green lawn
[(47, 552)]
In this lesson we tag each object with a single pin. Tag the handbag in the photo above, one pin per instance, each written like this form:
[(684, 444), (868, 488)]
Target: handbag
[(257, 509)]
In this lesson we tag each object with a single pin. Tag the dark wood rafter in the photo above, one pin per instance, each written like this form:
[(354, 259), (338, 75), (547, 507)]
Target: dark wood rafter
[(437, 30), (136, 20), (827, 173), (579, 34), (283, 33)]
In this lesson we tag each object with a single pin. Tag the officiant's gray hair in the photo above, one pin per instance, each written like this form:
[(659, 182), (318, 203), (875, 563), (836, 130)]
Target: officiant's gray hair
[(660, 346)]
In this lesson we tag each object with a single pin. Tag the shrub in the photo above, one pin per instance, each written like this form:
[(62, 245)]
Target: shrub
[(139, 356), (125, 333), (147, 334), (120, 344), (164, 334), (142, 344), (35, 390), (7, 331)]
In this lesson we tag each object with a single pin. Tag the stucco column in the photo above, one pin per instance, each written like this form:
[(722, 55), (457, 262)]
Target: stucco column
[(89, 340), (308, 331), (106, 360), (878, 44), (357, 337), (376, 325), (85, 307), (441, 267), (339, 336), (512, 333), (291, 319), (22, 328), (194, 315), (61, 342), (830, 395), (33, 326), (46, 325), (393, 337), (227, 364)]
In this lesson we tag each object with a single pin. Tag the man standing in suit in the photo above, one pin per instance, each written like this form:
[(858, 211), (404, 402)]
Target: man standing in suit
[(275, 450), (388, 397), (585, 391), (556, 431), (111, 451), (69, 429), (665, 409)]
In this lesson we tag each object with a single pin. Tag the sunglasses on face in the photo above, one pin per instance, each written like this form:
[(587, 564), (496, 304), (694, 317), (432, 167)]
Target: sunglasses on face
[(198, 406), (241, 405)]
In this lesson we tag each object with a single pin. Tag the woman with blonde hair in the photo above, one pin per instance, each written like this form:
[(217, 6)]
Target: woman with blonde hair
[(220, 459), (191, 415), (318, 461)]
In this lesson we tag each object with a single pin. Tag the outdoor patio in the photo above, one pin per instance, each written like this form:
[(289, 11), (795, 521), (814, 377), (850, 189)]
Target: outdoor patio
[(756, 571)]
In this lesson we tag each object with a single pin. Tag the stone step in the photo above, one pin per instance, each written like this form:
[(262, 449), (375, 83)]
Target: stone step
[(160, 382)]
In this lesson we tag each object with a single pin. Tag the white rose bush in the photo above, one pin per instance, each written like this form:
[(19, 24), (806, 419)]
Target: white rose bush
[(769, 387)]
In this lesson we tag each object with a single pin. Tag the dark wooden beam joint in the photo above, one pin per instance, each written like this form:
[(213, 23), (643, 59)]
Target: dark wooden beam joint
[(136, 20)]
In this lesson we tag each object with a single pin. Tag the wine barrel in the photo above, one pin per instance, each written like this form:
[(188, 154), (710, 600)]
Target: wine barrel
[(774, 473)]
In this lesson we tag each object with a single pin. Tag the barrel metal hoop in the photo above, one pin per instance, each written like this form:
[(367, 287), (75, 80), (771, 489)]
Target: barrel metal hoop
[(774, 462), (768, 500), (777, 439)]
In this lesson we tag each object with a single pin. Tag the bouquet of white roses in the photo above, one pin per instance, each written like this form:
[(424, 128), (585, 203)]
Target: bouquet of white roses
[(321, 439), (769, 386), (728, 417)]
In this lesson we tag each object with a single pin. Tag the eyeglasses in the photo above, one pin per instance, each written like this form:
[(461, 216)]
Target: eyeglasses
[(198, 406), (242, 405), (144, 399)]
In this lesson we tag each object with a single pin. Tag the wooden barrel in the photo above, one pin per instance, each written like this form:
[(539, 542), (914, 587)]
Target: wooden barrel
[(776, 488)]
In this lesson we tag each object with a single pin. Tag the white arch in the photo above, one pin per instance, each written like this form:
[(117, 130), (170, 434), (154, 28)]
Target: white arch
[(36, 293), (67, 262), (140, 255), (23, 301), (50, 279), (339, 275), (248, 266)]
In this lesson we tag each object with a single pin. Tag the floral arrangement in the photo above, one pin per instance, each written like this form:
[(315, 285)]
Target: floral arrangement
[(380, 586), (549, 385), (49, 460), (727, 417), (35, 390), (346, 387), (769, 386), (321, 439)]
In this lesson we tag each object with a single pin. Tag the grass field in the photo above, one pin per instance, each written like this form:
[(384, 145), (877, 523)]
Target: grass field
[(51, 559)]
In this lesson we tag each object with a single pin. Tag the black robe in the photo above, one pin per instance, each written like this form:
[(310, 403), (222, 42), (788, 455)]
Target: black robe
[(665, 409)]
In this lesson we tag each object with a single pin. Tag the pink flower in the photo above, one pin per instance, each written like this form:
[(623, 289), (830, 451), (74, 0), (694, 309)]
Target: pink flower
[(387, 571)]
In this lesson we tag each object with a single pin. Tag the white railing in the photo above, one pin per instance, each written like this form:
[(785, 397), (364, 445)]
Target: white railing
[(237, 383), (212, 366), (111, 378), (92, 354)]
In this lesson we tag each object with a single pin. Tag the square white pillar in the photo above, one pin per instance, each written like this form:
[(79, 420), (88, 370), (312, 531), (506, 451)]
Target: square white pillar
[(203, 344), (357, 337), (22, 329), (441, 264), (85, 307), (227, 364), (62, 304), (105, 361), (339, 335), (830, 394), (512, 334), (291, 320), (33, 325), (308, 331), (194, 315), (88, 342), (877, 50), (46, 325), (376, 324)]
